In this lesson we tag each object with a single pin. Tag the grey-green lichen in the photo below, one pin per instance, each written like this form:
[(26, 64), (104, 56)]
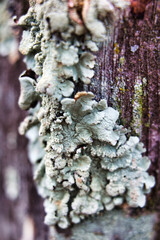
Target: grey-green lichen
[(115, 224), (83, 161)]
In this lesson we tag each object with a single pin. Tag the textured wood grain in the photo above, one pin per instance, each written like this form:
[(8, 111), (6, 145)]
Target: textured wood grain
[(133, 59)]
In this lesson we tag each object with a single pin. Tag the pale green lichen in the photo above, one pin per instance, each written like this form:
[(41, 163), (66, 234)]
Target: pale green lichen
[(28, 93), (83, 161)]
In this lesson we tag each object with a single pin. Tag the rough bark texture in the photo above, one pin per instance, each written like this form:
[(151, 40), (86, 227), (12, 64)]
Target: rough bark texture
[(120, 67), (130, 59)]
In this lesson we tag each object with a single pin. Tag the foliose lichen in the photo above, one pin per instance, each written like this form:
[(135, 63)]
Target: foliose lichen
[(83, 161)]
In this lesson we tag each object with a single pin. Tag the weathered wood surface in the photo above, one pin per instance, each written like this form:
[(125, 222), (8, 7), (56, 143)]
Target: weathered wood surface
[(132, 58)]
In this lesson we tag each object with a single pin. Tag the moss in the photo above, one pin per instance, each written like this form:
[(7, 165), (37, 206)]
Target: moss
[(122, 60), (116, 48), (137, 104)]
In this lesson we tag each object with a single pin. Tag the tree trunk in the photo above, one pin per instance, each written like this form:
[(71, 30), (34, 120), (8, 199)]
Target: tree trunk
[(127, 71)]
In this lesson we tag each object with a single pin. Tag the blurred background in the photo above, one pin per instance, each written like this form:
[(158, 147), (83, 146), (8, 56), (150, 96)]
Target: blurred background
[(21, 209)]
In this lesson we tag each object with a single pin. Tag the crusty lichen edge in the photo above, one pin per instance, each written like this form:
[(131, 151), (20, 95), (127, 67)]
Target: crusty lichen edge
[(83, 162)]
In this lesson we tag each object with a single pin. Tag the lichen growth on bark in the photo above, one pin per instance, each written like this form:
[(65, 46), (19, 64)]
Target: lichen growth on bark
[(138, 104), (83, 161)]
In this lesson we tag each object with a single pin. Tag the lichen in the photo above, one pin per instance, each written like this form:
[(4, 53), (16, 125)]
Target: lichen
[(115, 224), (83, 161), (28, 93)]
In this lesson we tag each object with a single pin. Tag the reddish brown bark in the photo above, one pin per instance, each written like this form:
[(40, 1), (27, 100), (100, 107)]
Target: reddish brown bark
[(143, 63), (144, 32), (139, 6)]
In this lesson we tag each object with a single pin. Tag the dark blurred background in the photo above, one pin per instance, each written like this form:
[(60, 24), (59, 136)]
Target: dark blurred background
[(21, 209)]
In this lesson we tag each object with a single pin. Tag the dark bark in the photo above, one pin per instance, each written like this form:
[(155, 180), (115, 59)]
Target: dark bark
[(117, 63), (14, 213), (143, 63), (142, 31)]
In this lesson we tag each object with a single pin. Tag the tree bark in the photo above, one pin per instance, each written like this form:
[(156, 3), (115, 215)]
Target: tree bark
[(127, 72), (120, 67)]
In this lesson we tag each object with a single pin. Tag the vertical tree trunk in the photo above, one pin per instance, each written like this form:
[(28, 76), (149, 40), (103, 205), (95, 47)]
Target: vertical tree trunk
[(127, 72)]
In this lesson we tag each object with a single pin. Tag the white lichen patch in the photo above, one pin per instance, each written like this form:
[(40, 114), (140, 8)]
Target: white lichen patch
[(28, 93), (83, 161)]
